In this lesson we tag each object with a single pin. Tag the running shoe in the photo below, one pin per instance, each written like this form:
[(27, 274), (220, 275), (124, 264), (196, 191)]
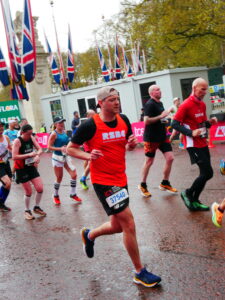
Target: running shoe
[(146, 278), (39, 211), (28, 215), (5, 208), (217, 215), (56, 200), (83, 184), (144, 191), (187, 201), (198, 206), (167, 187), (76, 198), (88, 245)]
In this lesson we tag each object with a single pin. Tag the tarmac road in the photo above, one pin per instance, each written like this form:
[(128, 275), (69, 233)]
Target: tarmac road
[(43, 258)]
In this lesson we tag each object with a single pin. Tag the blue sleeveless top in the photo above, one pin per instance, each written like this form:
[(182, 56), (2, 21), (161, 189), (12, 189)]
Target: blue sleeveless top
[(61, 140)]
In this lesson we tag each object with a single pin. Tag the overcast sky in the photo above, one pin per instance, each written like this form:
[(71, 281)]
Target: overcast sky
[(84, 16)]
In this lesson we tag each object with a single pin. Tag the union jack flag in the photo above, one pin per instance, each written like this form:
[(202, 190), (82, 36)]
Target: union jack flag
[(4, 75), (53, 64), (28, 45), (138, 59), (19, 92), (70, 60), (105, 71), (128, 68), (14, 57), (117, 61)]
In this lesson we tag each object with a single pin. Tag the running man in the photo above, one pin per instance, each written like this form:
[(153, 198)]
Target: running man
[(5, 170), (25, 161), (57, 143), (90, 114), (191, 121), (155, 138), (108, 136)]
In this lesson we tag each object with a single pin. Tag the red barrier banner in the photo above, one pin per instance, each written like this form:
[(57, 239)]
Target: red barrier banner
[(217, 132), (138, 130), (42, 139)]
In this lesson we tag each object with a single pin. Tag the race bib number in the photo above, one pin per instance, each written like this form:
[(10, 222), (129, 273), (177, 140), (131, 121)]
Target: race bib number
[(117, 197), (29, 161)]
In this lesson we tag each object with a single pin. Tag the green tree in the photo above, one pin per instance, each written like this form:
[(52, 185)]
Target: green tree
[(5, 93)]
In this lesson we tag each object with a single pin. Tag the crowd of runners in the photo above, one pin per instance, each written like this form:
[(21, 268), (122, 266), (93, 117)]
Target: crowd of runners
[(102, 141)]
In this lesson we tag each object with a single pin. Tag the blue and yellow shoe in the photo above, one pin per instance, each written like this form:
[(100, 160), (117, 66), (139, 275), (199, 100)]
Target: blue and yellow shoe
[(146, 278), (88, 245), (83, 184)]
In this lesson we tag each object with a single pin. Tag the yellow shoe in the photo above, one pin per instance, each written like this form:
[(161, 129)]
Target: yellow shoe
[(217, 216), (144, 191), (168, 188)]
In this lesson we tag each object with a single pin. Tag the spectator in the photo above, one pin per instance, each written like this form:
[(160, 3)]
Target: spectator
[(75, 122)]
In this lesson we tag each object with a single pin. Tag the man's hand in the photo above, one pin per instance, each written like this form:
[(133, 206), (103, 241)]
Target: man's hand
[(32, 154), (213, 120), (196, 132), (95, 154), (132, 142)]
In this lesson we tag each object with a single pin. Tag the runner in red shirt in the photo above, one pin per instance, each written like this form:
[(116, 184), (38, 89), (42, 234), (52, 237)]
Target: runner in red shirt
[(108, 136), (191, 120)]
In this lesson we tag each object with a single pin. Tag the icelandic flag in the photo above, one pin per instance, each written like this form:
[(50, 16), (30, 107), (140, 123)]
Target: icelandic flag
[(4, 75), (117, 61), (28, 44), (14, 57), (105, 71), (19, 92), (53, 64), (70, 60), (129, 70)]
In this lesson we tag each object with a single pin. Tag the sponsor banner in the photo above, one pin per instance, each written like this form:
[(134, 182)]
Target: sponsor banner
[(9, 110), (217, 132), (138, 130), (42, 139)]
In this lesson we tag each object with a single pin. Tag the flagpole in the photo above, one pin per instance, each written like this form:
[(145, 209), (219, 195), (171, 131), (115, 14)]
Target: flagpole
[(108, 49), (144, 61), (58, 49)]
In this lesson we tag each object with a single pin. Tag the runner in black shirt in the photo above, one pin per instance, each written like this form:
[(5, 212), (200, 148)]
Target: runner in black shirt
[(155, 138)]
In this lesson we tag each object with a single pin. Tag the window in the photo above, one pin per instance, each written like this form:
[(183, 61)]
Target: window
[(91, 103), (82, 107), (56, 108), (186, 87), (144, 91)]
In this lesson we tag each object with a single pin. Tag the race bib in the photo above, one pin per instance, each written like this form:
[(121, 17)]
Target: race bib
[(29, 161), (117, 197)]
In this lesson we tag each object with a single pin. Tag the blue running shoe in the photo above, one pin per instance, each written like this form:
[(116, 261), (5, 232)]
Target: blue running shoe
[(146, 278), (88, 245)]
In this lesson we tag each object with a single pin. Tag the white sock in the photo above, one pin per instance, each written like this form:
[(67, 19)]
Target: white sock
[(27, 202), (56, 188), (73, 184), (38, 198)]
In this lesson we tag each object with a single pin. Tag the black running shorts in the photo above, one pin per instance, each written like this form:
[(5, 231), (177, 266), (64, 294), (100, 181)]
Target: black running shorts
[(26, 174), (151, 147), (199, 155), (114, 199), (5, 170)]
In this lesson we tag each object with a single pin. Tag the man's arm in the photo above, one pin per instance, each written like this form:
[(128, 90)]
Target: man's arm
[(151, 120)]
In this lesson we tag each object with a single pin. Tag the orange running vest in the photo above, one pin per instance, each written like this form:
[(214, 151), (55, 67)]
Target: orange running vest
[(109, 169)]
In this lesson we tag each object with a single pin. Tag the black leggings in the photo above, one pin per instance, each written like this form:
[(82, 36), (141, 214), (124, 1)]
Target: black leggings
[(206, 173)]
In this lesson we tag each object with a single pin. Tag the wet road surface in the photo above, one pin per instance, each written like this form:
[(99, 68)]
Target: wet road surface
[(43, 258)]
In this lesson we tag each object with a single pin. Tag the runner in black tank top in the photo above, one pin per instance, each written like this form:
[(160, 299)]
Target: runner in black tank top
[(25, 163)]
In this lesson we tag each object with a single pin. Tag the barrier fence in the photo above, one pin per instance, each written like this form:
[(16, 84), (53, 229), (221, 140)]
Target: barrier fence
[(216, 133)]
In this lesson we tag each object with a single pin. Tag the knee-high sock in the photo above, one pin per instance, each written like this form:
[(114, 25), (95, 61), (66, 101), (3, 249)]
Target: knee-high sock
[(38, 198), (73, 184), (3, 194), (27, 202)]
